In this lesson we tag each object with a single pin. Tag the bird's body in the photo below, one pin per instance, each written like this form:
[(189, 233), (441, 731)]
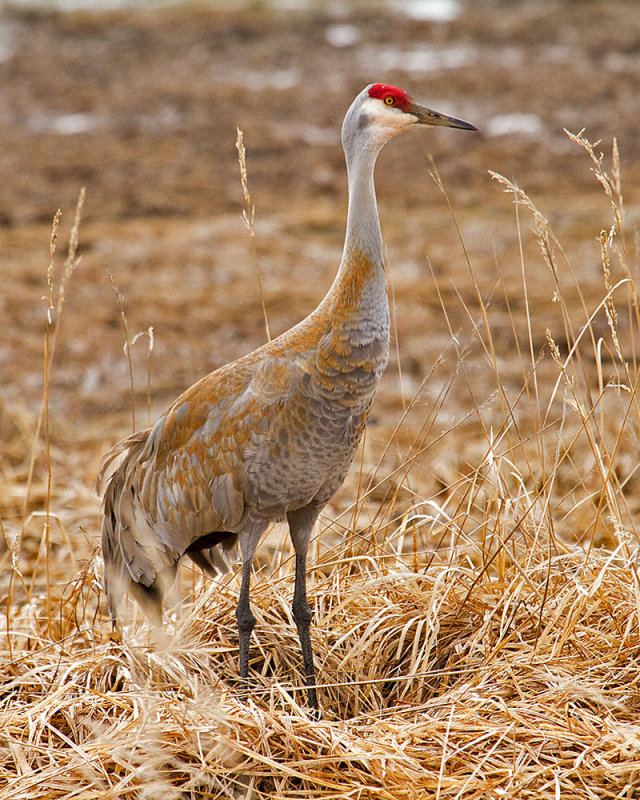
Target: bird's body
[(270, 436), (270, 433)]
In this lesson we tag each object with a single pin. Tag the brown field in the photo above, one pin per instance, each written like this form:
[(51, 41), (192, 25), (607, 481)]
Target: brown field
[(474, 582)]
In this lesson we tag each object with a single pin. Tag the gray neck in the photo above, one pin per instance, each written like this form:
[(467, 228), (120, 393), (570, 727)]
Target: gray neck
[(354, 332), (358, 295), (363, 223)]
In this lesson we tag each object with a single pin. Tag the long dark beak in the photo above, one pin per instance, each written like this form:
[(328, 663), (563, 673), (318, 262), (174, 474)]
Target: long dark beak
[(426, 116)]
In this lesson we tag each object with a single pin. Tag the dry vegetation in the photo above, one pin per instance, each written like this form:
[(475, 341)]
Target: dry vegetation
[(479, 641), (475, 583)]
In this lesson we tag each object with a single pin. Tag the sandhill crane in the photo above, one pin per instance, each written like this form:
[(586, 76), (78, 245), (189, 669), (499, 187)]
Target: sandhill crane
[(270, 436)]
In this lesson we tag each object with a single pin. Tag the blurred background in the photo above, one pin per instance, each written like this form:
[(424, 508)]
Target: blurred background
[(139, 103)]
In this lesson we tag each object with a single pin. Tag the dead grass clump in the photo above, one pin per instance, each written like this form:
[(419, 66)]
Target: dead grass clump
[(481, 641), (525, 687)]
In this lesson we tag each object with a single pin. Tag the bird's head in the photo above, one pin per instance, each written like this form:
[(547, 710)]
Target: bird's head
[(381, 111)]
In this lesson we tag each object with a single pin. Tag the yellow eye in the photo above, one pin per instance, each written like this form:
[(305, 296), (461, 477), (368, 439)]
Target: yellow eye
[(389, 100)]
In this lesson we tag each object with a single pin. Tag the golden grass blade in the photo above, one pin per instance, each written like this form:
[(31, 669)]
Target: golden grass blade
[(248, 217)]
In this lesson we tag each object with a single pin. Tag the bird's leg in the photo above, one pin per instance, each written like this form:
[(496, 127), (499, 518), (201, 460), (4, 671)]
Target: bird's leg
[(302, 615), (300, 526), (246, 622)]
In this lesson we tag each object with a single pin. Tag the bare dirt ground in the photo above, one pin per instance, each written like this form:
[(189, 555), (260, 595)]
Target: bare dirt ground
[(155, 98), (141, 108)]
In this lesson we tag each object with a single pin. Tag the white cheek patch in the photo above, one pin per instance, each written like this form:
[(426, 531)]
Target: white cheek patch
[(375, 111)]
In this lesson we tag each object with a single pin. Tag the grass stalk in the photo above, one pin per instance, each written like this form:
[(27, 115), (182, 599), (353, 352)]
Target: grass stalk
[(248, 217), (127, 347)]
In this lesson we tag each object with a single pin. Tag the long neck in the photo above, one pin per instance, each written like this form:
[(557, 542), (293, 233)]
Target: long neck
[(358, 295), (363, 224)]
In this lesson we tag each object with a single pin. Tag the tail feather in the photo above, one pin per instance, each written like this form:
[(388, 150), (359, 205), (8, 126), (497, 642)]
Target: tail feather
[(141, 548), (135, 558)]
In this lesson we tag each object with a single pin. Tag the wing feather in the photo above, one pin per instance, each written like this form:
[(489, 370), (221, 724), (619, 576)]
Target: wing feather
[(187, 476)]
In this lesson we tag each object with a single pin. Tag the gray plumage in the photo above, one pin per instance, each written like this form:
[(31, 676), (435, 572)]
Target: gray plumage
[(270, 436)]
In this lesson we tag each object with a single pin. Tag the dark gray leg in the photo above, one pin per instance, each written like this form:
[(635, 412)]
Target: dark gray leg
[(300, 526), (302, 615), (246, 622)]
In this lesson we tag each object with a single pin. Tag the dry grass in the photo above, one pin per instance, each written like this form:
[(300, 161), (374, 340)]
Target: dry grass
[(477, 642)]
